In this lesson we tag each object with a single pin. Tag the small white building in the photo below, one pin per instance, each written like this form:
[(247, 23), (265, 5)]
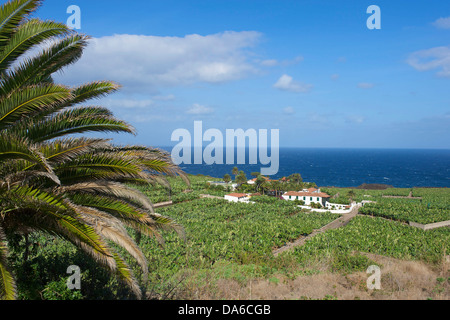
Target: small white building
[(337, 206), (237, 197), (224, 184), (308, 196), (253, 181)]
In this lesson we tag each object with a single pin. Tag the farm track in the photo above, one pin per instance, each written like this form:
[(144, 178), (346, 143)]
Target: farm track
[(339, 222), (409, 196), (170, 203)]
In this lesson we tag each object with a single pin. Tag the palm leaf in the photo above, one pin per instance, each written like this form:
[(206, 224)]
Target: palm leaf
[(7, 282), (39, 68), (111, 189), (27, 100), (83, 93), (27, 35), (79, 120), (11, 14), (112, 229), (58, 151), (102, 162), (12, 147)]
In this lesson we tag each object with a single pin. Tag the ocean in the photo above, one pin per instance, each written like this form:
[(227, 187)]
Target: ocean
[(401, 168)]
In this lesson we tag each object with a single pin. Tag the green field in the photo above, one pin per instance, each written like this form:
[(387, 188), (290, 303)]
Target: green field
[(235, 241)]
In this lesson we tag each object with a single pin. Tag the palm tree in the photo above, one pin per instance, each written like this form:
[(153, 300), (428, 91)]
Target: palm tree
[(226, 178), (277, 185), (295, 178), (259, 181), (235, 172), (74, 187), (241, 177)]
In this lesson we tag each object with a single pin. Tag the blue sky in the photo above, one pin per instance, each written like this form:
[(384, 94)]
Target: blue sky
[(311, 69)]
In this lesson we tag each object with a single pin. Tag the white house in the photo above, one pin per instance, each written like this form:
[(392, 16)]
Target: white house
[(337, 206), (253, 181), (223, 184), (307, 196), (237, 197)]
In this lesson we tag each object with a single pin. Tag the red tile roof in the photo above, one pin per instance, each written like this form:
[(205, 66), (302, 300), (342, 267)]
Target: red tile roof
[(254, 179)]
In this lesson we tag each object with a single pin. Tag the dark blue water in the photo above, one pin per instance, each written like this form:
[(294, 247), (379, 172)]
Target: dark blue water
[(401, 168)]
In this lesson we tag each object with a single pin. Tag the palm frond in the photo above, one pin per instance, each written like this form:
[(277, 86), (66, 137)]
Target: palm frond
[(27, 35), (154, 160), (79, 120), (57, 151), (23, 102), (11, 15), (7, 283), (101, 162), (83, 93), (112, 189), (13, 147), (112, 229), (39, 68)]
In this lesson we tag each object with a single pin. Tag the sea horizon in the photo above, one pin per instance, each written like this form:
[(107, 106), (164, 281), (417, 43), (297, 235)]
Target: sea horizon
[(348, 167)]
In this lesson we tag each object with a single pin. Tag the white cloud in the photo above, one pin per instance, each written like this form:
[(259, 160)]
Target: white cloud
[(284, 63), (168, 97), (198, 109), (289, 110), (287, 83), (442, 23), (269, 62), (140, 62), (365, 85), (430, 59)]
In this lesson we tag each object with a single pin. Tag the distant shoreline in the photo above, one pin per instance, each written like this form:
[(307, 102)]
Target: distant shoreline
[(350, 168), (371, 186)]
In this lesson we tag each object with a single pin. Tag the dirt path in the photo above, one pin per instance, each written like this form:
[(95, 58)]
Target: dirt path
[(409, 196), (340, 222), (169, 203), (162, 204)]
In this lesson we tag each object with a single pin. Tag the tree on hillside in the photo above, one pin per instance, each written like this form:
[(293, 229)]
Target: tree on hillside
[(227, 178), (234, 172), (277, 187), (266, 186), (241, 177), (74, 187), (295, 178), (258, 183)]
